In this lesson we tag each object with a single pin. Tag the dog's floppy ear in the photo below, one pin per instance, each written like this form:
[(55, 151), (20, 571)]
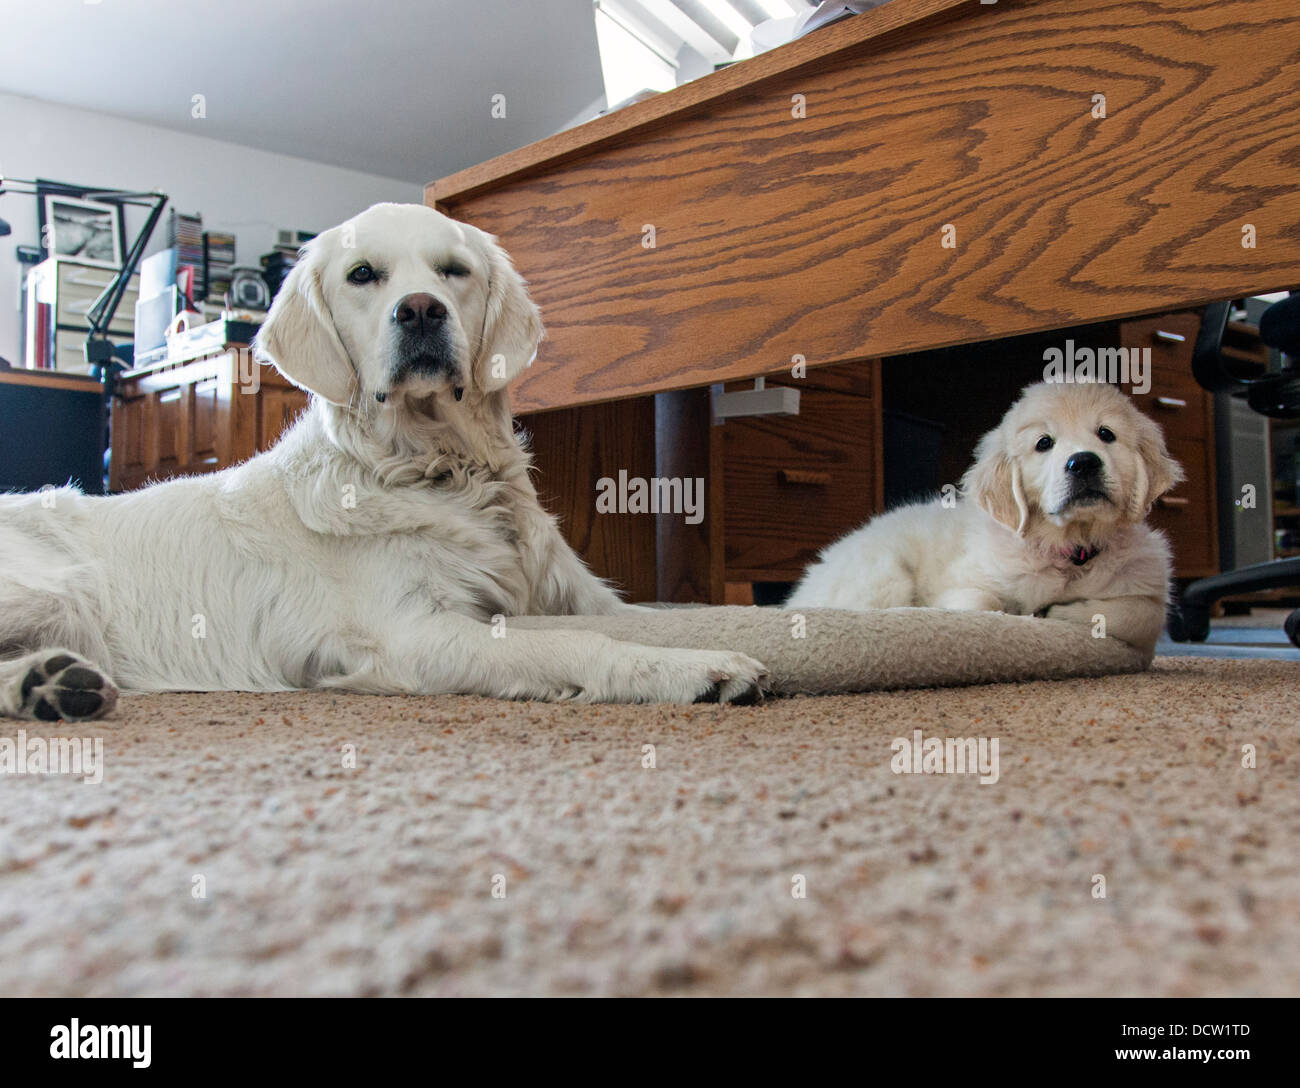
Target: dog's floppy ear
[(1155, 473), (300, 339), (512, 323), (994, 482)]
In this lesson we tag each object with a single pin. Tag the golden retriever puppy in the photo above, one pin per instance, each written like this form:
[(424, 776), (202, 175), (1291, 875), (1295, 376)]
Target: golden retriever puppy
[(1050, 520)]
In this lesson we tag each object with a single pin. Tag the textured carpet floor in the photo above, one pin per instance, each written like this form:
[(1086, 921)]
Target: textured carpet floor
[(619, 879)]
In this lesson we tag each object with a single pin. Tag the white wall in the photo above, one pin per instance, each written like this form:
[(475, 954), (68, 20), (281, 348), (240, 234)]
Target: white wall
[(247, 192)]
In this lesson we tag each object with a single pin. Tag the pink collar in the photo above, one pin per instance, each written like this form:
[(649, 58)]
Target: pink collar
[(1080, 555)]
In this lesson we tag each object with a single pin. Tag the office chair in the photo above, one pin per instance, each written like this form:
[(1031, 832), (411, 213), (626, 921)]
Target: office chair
[(1276, 394)]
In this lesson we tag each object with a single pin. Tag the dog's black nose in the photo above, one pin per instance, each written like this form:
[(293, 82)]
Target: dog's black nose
[(419, 312), (1083, 464)]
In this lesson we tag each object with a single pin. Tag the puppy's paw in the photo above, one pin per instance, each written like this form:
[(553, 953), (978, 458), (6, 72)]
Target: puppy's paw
[(59, 684)]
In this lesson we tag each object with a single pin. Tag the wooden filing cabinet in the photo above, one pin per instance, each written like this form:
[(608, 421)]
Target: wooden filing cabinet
[(1189, 513)]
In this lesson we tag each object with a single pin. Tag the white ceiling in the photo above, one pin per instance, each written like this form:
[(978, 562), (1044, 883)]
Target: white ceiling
[(401, 88)]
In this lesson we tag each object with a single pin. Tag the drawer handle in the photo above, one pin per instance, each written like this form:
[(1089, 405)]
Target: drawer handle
[(1171, 402), (1170, 337), (805, 478), (1172, 502)]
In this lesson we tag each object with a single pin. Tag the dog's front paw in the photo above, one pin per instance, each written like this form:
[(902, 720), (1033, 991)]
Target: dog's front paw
[(680, 676), (59, 684), (733, 678), (1075, 612)]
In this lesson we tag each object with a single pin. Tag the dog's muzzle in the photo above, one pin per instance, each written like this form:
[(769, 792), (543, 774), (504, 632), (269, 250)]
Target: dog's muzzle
[(1085, 477), (422, 346)]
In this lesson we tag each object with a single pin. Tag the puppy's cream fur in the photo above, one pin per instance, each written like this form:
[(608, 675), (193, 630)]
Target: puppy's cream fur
[(1005, 544), (370, 549)]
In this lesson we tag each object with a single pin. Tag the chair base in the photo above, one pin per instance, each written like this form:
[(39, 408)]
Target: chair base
[(1189, 620)]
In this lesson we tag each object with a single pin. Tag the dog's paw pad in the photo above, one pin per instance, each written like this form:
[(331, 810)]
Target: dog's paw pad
[(68, 688), (713, 693), (58, 663)]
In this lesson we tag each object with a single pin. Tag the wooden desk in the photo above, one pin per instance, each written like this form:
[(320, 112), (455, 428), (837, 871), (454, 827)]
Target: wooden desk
[(821, 236)]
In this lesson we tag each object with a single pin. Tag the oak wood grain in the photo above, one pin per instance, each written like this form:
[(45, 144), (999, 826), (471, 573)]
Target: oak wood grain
[(572, 450), (878, 28), (821, 236), (51, 379), (793, 484), (195, 417)]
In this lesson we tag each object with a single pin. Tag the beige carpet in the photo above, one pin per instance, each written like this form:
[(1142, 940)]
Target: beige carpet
[(673, 880)]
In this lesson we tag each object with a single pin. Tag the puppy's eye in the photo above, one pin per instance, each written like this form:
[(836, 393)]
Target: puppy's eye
[(362, 274), (1045, 443), (1105, 434), (450, 270)]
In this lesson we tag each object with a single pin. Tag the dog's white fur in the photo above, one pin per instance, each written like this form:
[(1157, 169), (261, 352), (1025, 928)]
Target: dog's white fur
[(1005, 543), (369, 550)]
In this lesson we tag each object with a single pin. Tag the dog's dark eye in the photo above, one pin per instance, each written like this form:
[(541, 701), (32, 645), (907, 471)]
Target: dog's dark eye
[(1105, 434), (1045, 443), (362, 274), (454, 270)]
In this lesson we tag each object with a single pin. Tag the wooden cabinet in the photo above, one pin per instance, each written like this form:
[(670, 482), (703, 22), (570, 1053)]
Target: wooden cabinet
[(1185, 412), (793, 484), (776, 489), (199, 416)]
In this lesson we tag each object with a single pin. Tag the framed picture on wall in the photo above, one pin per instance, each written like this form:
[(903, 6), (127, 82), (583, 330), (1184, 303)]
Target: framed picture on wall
[(78, 229)]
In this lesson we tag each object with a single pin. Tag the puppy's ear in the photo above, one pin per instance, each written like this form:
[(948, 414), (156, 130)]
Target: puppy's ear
[(994, 482), (1155, 471), (512, 323), (300, 339)]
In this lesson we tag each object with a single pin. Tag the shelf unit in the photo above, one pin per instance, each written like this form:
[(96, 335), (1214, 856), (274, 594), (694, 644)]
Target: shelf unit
[(59, 293)]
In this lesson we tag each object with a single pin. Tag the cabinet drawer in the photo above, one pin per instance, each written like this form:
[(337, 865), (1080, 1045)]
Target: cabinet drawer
[(84, 281), (70, 352), (79, 287), (75, 311), (1181, 413), (1171, 338), (793, 484)]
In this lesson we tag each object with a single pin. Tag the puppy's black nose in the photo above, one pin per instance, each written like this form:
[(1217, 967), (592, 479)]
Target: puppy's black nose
[(1083, 464), (419, 313)]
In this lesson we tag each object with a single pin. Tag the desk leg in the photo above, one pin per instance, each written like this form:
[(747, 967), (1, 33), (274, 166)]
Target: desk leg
[(687, 447)]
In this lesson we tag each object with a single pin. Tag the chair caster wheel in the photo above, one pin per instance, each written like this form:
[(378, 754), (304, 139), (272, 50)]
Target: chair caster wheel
[(1189, 624), (1175, 627), (1292, 628)]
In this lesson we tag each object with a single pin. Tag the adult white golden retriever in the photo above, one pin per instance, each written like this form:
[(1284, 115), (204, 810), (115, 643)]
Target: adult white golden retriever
[(370, 549), (1050, 520)]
